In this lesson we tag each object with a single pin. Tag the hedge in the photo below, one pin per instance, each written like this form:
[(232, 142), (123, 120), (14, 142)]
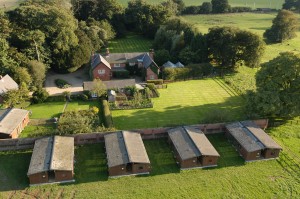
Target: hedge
[(156, 81), (108, 122), (154, 90), (121, 74)]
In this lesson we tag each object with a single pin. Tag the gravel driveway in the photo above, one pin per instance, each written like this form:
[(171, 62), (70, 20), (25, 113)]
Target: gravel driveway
[(75, 79)]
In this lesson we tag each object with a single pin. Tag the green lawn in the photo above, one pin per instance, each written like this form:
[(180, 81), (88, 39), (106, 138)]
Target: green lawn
[(46, 110), (249, 3), (36, 131), (81, 105), (231, 179), (182, 103), (130, 43)]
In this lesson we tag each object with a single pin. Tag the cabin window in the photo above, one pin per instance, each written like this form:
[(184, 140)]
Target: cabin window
[(117, 65), (43, 176), (101, 72), (131, 63), (151, 76), (140, 167), (122, 168), (194, 160)]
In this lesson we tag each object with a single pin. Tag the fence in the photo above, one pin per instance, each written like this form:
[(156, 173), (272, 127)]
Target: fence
[(92, 138)]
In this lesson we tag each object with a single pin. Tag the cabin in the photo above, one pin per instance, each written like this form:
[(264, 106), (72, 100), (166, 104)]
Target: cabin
[(52, 161), (12, 122), (251, 141), (191, 148), (126, 154)]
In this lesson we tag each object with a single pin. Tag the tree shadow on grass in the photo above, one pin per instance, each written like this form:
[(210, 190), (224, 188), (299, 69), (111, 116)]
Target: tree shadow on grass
[(13, 170)]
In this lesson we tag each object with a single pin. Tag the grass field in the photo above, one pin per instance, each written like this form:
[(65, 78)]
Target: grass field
[(231, 179), (182, 103), (130, 43), (46, 110), (81, 105), (277, 4), (253, 22)]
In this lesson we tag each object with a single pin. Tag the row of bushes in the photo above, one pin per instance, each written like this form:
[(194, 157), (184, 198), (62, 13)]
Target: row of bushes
[(126, 105), (155, 81), (60, 83), (206, 8), (121, 74), (153, 89), (190, 71), (108, 122)]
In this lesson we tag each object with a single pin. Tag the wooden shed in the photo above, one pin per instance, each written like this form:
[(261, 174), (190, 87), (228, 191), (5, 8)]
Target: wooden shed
[(52, 160), (12, 122), (251, 141), (126, 154), (192, 149)]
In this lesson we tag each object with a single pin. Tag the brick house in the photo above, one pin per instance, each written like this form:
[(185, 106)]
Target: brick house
[(12, 122), (103, 66), (6, 84)]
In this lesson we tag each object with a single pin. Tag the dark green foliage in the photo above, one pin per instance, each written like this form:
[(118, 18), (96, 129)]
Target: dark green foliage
[(59, 98), (38, 73), (15, 97), (191, 10), (205, 8), (60, 83), (241, 9), (155, 81), (153, 89), (39, 96), (121, 74), (107, 115), (284, 27), (220, 6), (145, 18), (83, 121), (229, 46), (291, 5), (161, 57), (277, 87)]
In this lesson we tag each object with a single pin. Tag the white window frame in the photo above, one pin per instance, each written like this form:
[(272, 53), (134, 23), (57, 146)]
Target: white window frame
[(151, 77), (117, 65), (131, 63), (101, 71)]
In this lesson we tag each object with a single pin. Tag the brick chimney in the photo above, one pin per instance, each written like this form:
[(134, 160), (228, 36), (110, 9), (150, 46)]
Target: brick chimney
[(107, 52), (151, 53)]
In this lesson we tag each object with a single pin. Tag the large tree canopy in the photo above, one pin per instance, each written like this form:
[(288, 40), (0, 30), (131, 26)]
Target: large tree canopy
[(291, 5), (278, 87), (229, 46), (220, 6), (285, 26)]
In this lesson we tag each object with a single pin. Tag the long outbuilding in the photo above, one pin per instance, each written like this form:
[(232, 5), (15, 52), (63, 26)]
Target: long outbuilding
[(251, 141), (126, 154), (191, 148), (12, 122), (52, 160)]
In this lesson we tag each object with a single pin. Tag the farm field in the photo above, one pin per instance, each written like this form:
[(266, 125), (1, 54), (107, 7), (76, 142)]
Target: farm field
[(183, 103), (231, 179), (277, 4), (253, 22), (130, 43)]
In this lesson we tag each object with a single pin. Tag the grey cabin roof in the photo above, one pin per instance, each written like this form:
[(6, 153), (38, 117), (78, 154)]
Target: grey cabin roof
[(124, 57), (125, 147), (10, 119), (97, 59), (179, 64), (6, 84), (52, 153), (41, 156), (191, 142), (262, 136), (244, 137), (62, 154), (87, 86), (169, 64)]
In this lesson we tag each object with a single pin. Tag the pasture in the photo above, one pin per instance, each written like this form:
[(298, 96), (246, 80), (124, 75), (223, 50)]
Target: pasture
[(276, 4), (231, 179), (183, 103)]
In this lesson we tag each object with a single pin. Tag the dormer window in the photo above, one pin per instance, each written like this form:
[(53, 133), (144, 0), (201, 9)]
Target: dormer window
[(117, 65)]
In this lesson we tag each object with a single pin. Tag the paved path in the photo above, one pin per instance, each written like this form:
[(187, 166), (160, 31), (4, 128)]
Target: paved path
[(76, 80)]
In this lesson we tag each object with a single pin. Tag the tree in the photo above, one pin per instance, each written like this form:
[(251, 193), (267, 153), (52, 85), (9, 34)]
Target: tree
[(228, 46), (38, 73), (98, 88), (205, 8), (220, 6), (39, 96), (277, 84), (16, 96), (21, 74), (161, 57), (180, 5), (291, 5), (285, 25)]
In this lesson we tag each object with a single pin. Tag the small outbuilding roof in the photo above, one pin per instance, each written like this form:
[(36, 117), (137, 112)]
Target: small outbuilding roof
[(62, 154), (125, 147), (6, 84), (190, 142), (244, 137), (52, 153), (10, 119), (179, 65), (41, 156), (169, 64), (261, 135)]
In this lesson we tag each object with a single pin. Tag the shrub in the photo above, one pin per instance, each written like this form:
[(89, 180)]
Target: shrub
[(107, 115), (60, 83), (241, 9), (154, 90), (156, 81), (59, 98), (39, 96), (193, 10), (121, 74)]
